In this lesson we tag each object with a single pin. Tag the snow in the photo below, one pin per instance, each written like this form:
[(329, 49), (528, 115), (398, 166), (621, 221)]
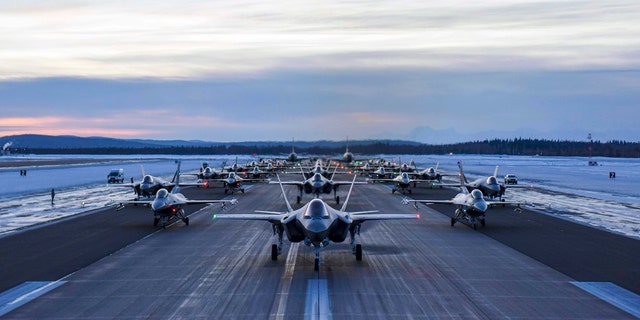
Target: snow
[(26, 200), (562, 186), (566, 187)]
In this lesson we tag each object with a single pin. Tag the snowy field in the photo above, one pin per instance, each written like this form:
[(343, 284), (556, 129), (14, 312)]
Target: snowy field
[(581, 193)]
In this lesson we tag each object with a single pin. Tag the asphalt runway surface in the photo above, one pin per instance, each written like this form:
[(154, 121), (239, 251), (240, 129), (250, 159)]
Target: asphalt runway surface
[(117, 265)]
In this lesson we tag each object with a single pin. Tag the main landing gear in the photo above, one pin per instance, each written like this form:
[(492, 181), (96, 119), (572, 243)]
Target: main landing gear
[(276, 249), (460, 215), (163, 220), (355, 247)]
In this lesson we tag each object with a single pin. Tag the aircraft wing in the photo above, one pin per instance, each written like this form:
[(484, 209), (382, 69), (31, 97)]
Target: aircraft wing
[(504, 203), (374, 215), (380, 180), (255, 180), (264, 216), (407, 201), (290, 183), (342, 183), (192, 184), (144, 202), (232, 201)]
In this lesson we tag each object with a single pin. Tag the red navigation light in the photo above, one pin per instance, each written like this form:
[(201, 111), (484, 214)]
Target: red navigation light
[(418, 216)]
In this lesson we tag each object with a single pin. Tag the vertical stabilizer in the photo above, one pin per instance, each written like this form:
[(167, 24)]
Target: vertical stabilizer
[(176, 178), (284, 196), (464, 178), (344, 205)]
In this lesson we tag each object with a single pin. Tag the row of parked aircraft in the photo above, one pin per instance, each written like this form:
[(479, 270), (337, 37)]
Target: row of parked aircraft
[(316, 223)]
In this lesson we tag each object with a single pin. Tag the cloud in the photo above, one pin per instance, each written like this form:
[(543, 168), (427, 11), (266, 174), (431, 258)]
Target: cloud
[(171, 40)]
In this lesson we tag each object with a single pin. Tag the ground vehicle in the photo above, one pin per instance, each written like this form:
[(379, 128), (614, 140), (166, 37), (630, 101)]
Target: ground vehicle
[(510, 179), (116, 176)]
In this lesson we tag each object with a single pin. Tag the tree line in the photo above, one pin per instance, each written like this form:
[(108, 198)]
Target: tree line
[(518, 146)]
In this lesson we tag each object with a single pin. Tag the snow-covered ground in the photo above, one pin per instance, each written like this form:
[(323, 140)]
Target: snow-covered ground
[(581, 192), (26, 200)]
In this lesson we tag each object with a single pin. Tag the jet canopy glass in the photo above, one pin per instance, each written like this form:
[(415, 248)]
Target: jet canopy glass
[(162, 193), (316, 210)]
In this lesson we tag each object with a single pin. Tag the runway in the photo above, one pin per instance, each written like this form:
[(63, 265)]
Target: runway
[(519, 266)]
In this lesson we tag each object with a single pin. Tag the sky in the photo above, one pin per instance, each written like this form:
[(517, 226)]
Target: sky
[(428, 71)]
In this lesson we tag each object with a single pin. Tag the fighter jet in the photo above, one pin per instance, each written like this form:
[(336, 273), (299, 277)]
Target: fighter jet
[(256, 173), (380, 173), (233, 182), (318, 167), (431, 174), (470, 206), (150, 185), (489, 186), (316, 185), (167, 206), (402, 182), (206, 172), (316, 224)]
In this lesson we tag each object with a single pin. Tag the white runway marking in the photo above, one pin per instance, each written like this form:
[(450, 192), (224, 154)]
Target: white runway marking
[(611, 293), (317, 304), (286, 281), (21, 294)]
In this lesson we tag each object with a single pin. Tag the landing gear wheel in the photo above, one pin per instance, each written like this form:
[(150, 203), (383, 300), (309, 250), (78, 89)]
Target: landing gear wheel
[(298, 199), (274, 252), (358, 252), (393, 191), (242, 190), (316, 264), (475, 227), (409, 191), (483, 223), (453, 221), (186, 220), (337, 199), (155, 222), (225, 191)]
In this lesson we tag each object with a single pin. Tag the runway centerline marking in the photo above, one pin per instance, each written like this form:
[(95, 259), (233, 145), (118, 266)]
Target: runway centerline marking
[(25, 292), (317, 303), (287, 277)]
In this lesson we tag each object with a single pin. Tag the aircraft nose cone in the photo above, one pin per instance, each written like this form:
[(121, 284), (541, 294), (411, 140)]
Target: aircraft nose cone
[(157, 204), (480, 206)]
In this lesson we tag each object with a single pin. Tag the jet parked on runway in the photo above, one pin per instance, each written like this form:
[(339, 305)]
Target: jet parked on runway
[(233, 182), (150, 185), (316, 185), (470, 206), (489, 186), (402, 182), (316, 224), (167, 206)]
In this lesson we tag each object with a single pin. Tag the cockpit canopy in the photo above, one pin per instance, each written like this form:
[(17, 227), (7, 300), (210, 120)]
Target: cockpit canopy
[(162, 193), (476, 194), (147, 179), (316, 210), (492, 180), (317, 177)]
